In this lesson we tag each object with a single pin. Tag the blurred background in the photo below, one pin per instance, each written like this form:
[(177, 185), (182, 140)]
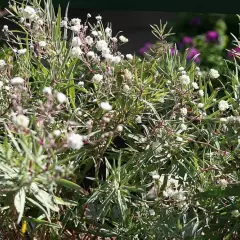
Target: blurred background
[(208, 34)]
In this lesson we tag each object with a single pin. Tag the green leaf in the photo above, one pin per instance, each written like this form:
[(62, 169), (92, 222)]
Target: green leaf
[(40, 222), (68, 184)]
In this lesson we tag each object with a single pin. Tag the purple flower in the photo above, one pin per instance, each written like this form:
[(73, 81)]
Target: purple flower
[(234, 52), (195, 21), (211, 36), (187, 40), (192, 52), (173, 51), (145, 48)]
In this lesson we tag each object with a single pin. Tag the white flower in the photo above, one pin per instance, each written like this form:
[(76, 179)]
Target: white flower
[(223, 183), (156, 176), (168, 192), (5, 28), (29, 12), (138, 119), (183, 111), (119, 128), (184, 72), (101, 44), (178, 196), (114, 39), (97, 78), (235, 213), (75, 141), (89, 123), (195, 85), (22, 51), (89, 15), (108, 31), (105, 51), (1, 84), (184, 79), (76, 42), (183, 127), (76, 52), (47, 90), (161, 100), (179, 139), (76, 21), (123, 39), (117, 59), (223, 120), (213, 73), (105, 106), (128, 75), (181, 69), (152, 212), (201, 93), (200, 105), (197, 69), (106, 119), (89, 40), (109, 57), (81, 83), (129, 56), (42, 44), (75, 28), (223, 105), (17, 81), (61, 97), (2, 64), (126, 88), (40, 22), (57, 133), (63, 23), (98, 17), (21, 121), (95, 33), (91, 54)]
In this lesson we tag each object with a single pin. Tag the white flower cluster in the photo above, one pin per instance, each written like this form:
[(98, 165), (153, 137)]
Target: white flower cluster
[(172, 190), (21, 121), (223, 105), (231, 120), (75, 141), (184, 79), (213, 73)]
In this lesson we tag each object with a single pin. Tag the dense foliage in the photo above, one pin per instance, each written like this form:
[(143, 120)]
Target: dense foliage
[(97, 144)]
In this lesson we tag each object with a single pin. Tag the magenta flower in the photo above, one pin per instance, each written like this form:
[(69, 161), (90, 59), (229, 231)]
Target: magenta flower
[(145, 48), (173, 51), (195, 21), (211, 36), (192, 52), (187, 40), (234, 52)]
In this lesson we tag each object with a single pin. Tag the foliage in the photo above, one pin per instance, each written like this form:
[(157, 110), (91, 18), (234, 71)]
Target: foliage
[(97, 144)]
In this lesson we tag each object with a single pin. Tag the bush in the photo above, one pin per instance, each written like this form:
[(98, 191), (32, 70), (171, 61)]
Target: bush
[(97, 144)]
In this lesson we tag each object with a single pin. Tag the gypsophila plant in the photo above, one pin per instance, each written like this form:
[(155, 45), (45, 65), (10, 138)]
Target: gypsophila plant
[(98, 145)]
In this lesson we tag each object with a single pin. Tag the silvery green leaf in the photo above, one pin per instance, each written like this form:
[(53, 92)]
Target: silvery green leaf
[(19, 203)]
